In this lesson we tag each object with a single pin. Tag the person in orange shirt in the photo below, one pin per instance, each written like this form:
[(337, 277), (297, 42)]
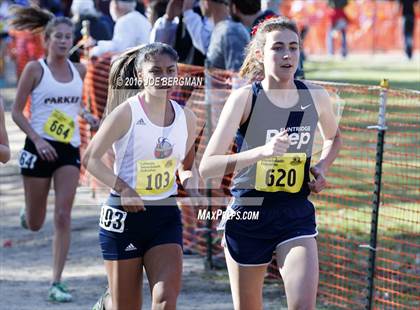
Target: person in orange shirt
[(339, 22)]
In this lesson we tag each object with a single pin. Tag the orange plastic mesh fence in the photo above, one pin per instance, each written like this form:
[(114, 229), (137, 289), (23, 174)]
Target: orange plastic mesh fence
[(344, 208), (373, 26), (398, 249)]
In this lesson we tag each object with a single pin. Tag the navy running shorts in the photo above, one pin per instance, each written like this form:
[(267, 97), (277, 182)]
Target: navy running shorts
[(32, 165), (252, 240), (125, 235)]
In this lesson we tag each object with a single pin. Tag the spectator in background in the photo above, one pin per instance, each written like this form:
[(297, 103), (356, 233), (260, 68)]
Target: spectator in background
[(339, 21), (54, 6), (199, 26), (99, 29), (141, 7), (229, 38), (66, 7), (408, 15), (155, 9), (271, 5), (226, 51), (4, 14), (102, 6), (23, 2), (184, 28), (131, 28), (249, 12)]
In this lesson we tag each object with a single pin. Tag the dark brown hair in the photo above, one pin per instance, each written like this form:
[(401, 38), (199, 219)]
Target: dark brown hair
[(35, 19), (253, 68), (126, 66), (149, 51)]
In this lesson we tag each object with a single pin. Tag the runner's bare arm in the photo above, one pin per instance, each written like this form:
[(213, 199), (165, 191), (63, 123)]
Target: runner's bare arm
[(82, 72), (4, 141), (328, 126), (331, 135), (81, 69), (83, 112), (30, 77), (215, 162), (188, 173), (115, 125)]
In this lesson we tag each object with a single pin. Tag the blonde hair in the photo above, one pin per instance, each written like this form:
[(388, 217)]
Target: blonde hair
[(252, 68)]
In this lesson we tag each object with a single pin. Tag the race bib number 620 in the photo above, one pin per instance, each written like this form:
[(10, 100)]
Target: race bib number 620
[(112, 219), (281, 173)]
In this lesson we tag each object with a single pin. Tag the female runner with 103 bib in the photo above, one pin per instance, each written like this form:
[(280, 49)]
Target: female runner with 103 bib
[(140, 225)]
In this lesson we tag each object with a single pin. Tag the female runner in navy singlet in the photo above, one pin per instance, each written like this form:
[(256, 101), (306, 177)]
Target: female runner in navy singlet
[(273, 122)]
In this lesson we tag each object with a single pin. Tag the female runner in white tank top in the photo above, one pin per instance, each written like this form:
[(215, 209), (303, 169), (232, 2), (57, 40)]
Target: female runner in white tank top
[(140, 224), (51, 150)]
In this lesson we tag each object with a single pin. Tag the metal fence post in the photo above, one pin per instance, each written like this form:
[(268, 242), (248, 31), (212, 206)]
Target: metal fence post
[(381, 127)]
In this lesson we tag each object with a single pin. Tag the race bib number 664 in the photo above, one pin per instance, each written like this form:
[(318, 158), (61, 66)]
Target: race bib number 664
[(60, 126)]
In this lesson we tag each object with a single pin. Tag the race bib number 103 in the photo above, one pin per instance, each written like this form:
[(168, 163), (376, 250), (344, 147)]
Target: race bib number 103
[(155, 176), (112, 219)]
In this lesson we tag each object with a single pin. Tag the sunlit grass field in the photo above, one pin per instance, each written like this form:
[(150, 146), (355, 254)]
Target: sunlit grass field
[(344, 211), (366, 69)]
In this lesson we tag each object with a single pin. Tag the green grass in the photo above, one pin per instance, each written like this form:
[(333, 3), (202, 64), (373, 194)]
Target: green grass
[(344, 211), (366, 70)]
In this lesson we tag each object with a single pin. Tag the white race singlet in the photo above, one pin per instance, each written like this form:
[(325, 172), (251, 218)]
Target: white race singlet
[(55, 106), (148, 156)]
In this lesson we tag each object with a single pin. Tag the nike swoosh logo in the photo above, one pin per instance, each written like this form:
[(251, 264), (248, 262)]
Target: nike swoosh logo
[(304, 107)]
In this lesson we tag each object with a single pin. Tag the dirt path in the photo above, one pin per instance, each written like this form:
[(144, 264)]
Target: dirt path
[(26, 264)]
